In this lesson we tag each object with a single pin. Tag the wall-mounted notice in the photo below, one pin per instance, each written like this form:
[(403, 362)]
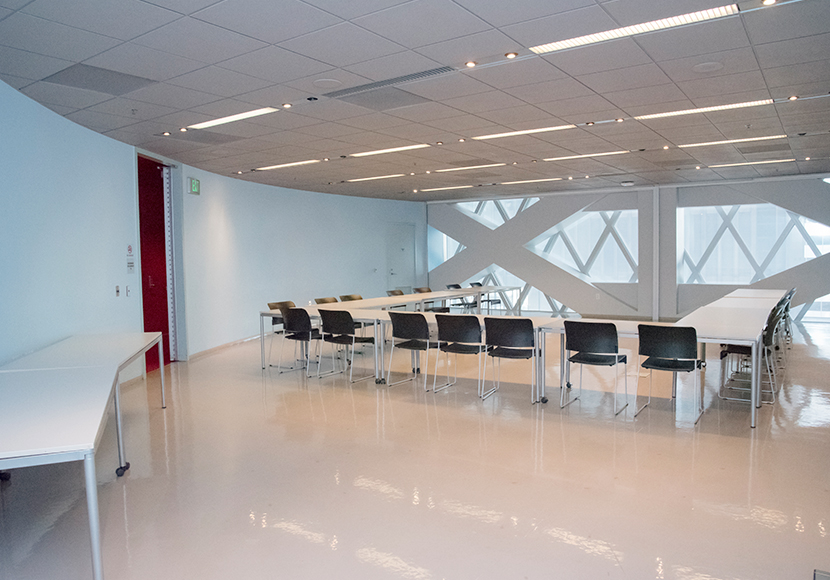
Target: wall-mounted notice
[(130, 259)]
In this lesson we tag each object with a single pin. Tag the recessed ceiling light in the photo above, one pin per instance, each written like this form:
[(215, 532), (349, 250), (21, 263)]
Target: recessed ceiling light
[(746, 140), (532, 181), (626, 183), (462, 140), (705, 109), (413, 173), (470, 167), (525, 132), (166, 133), (768, 2), (619, 120), (672, 22), (392, 150), (665, 146), (512, 54), (448, 188), (586, 177), (286, 105), (325, 158), (806, 159), (586, 155), (439, 142), (183, 129), (375, 177), (239, 173), (698, 167), (294, 164), (427, 172), (470, 64), (826, 180), (752, 163), (590, 123), (793, 98), (570, 178), (414, 191), (232, 118)]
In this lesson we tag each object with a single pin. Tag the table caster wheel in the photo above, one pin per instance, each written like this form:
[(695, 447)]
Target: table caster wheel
[(122, 470), (544, 400)]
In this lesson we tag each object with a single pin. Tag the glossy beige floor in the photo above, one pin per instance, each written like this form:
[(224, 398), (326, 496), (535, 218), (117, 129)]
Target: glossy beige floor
[(250, 474)]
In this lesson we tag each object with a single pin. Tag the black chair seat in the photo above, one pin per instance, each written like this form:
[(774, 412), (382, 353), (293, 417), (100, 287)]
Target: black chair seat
[(462, 348), (347, 339), (738, 349), (304, 336), (507, 352), (669, 364), (414, 344), (591, 358)]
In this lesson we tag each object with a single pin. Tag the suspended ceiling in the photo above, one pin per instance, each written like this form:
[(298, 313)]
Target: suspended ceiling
[(365, 75)]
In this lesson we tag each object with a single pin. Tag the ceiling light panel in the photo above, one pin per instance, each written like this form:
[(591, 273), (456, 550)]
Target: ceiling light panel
[(705, 109), (525, 132), (448, 188), (470, 167), (586, 155), (751, 163), (531, 181), (232, 118), (294, 164), (376, 177), (392, 150), (730, 141), (654, 25)]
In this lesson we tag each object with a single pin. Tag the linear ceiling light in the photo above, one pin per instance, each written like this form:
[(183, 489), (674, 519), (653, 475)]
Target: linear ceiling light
[(294, 164), (447, 188), (470, 167), (706, 109), (232, 118), (751, 163), (652, 26), (525, 132), (532, 181), (747, 140), (392, 150), (587, 155), (376, 177)]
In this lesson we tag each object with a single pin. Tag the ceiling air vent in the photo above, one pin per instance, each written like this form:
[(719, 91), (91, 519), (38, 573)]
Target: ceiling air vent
[(389, 82)]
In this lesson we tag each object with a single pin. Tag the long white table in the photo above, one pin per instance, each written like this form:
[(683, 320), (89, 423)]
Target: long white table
[(53, 408)]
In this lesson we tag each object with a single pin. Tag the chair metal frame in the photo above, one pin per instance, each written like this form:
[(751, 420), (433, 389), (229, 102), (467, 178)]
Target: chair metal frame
[(298, 327), (338, 329), (772, 340), (412, 330), (458, 334), (511, 338), (595, 344), (673, 349), (282, 307)]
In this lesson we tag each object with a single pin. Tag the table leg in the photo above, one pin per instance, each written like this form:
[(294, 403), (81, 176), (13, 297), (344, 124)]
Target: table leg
[(754, 377), (123, 465), (92, 510), (562, 360), (161, 369), (540, 383), (262, 340)]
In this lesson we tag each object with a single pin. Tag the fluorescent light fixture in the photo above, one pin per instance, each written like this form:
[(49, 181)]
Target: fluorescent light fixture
[(392, 150), (469, 167), (682, 20), (747, 140), (376, 177), (525, 132), (294, 164), (448, 188), (706, 109), (826, 180), (587, 155), (532, 181), (752, 163), (232, 118)]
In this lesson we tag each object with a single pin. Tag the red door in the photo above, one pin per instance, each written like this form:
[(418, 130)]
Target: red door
[(153, 255)]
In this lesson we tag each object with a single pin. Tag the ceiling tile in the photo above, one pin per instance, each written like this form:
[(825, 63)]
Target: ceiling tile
[(790, 20), (332, 110), (275, 96), (345, 78), (183, 6), (796, 74), (644, 75), (29, 65), (142, 61), (123, 19), (199, 40), (447, 87), (342, 45), (515, 116), (622, 53), (723, 85), (462, 124), (219, 81), (164, 94), (14, 81), (581, 106), (267, 20), (796, 51), (638, 11), (489, 101), (427, 22), (561, 26), (130, 108), (63, 95), (549, 91), (41, 36), (354, 8), (275, 64), (516, 73), (100, 122), (645, 96), (504, 13), (483, 47), (374, 121), (727, 62), (707, 37)]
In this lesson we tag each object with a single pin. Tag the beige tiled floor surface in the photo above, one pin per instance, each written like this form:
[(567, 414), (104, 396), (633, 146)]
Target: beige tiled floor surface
[(254, 475)]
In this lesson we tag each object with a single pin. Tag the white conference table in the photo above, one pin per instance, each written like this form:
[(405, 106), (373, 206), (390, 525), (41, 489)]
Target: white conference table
[(53, 408), (385, 302)]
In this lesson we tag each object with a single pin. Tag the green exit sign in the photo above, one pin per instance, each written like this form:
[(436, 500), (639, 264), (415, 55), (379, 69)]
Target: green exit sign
[(193, 186)]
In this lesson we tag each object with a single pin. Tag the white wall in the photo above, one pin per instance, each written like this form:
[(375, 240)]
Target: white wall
[(67, 215), (247, 244)]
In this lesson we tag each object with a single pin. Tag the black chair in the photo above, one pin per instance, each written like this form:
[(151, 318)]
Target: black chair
[(339, 329), (511, 338), (465, 305), (596, 344), (350, 297), (484, 300), (410, 331), (426, 290), (458, 334), (299, 329), (741, 357), (673, 349), (326, 300), (278, 320), (395, 292)]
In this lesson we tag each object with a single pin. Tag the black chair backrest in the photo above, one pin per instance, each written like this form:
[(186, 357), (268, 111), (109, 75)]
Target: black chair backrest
[(475, 284), (458, 328), (422, 290), (509, 332), (297, 320), (595, 337), (326, 300), (409, 325), (395, 292), (453, 286), (281, 306), (350, 297), (337, 322), (668, 341)]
